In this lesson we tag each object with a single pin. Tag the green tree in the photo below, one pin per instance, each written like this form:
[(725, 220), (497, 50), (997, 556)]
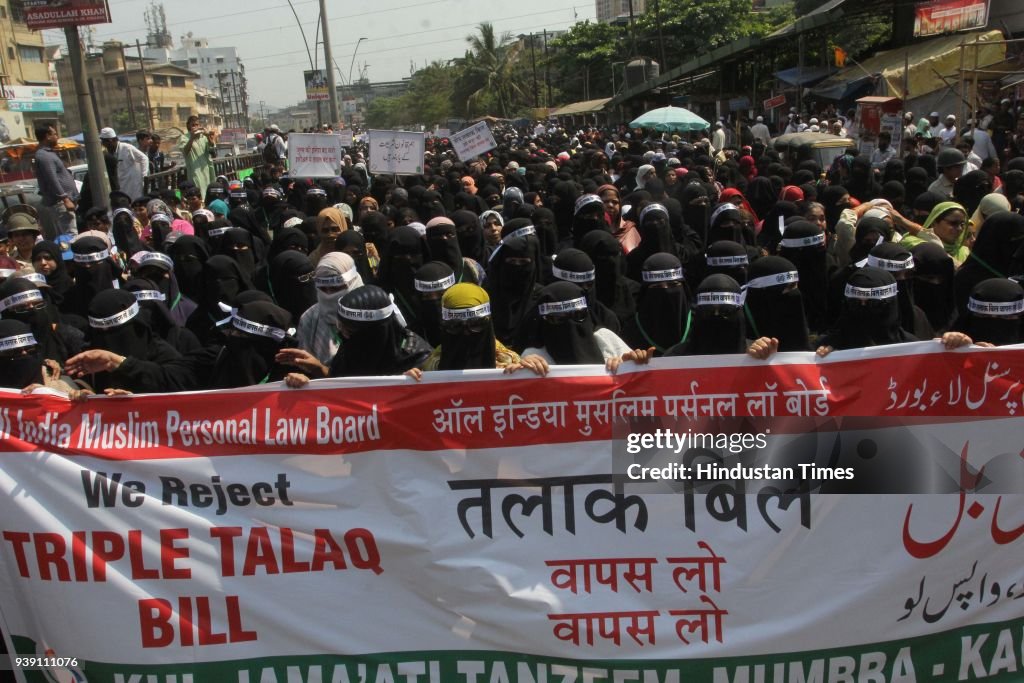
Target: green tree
[(489, 80), (581, 60)]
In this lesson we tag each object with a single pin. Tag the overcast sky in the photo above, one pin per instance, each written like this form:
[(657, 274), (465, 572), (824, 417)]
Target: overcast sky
[(401, 34)]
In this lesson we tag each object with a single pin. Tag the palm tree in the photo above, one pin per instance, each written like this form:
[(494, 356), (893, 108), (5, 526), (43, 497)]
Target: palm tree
[(489, 69)]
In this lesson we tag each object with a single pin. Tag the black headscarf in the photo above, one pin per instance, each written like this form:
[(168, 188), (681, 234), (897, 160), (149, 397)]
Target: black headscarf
[(375, 347), (991, 314), (431, 281), (353, 243), (587, 217), (22, 360), (803, 246), (248, 358), (728, 258), (91, 276), (573, 265), (696, 208), (933, 285), (547, 232), (116, 324), (662, 318), (970, 188), (655, 238), (567, 336), (290, 281), (443, 245), (288, 239), (513, 285), (223, 281), (40, 316), (830, 197), (917, 183), (898, 260), (868, 321), (998, 251), (611, 286), (123, 233), (189, 254), (405, 252), (470, 235), (775, 305), (718, 320), (238, 244), (59, 280)]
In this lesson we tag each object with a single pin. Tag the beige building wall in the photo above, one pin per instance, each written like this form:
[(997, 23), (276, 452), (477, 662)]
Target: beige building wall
[(172, 90), (22, 62)]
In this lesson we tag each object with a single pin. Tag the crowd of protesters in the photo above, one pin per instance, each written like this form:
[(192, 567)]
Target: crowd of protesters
[(592, 246)]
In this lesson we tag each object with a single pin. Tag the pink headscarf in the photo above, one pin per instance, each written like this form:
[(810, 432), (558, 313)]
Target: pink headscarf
[(748, 167), (792, 193)]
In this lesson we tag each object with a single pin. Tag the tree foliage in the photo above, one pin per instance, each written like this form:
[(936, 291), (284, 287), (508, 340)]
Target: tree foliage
[(489, 80)]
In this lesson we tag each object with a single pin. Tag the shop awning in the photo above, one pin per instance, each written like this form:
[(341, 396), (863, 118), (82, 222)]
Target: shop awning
[(809, 75), (584, 107), (932, 65)]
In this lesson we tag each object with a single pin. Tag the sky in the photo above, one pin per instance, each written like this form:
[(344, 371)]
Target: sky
[(401, 35)]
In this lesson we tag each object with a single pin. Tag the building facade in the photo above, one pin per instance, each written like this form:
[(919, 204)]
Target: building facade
[(30, 96), (220, 70), (610, 10), (127, 95)]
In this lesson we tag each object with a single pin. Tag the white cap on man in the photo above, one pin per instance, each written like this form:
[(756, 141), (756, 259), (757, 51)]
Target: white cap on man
[(108, 134), (760, 119)]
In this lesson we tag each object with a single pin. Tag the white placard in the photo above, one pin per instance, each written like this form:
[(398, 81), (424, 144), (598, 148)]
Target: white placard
[(442, 133), (396, 151), (473, 141), (314, 155), (346, 137)]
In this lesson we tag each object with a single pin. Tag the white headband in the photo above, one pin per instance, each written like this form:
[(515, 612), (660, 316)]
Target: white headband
[(7, 272), (584, 200), (652, 207), (29, 296), (569, 306), (364, 315), (521, 232), (720, 298), (726, 261), (92, 258), (117, 319), (573, 275), (149, 295), (481, 311), (995, 307), (869, 293), (663, 275), (722, 208), (162, 217), (434, 285), (206, 213), (773, 280), (18, 341), (798, 242), (217, 232), (38, 278), (251, 327), (155, 257), (889, 264), (342, 280)]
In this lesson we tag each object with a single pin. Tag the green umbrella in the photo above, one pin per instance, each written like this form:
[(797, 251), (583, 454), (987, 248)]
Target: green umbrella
[(668, 119)]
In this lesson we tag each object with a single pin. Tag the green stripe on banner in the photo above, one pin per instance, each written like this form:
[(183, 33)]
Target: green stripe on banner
[(990, 652)]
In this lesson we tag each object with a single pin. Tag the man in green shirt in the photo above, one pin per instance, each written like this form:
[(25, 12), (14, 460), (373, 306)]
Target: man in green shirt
[(198, 149)]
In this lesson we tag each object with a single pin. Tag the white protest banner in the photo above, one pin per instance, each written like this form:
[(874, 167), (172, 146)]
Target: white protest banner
[(475, 528), (346, 137), (396, 151), (442, 133), (314, 155), (473, 141)]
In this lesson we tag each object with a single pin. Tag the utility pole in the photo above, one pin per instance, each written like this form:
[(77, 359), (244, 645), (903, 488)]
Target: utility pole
[(547, 69), (128, 87), (533, 58), (263, 116), (223, 102), (328, 61), (234, 101), (145, 87), (93, 151)]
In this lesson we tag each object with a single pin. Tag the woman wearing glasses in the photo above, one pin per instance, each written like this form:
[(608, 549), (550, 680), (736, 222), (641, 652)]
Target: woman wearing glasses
[(945, 226)]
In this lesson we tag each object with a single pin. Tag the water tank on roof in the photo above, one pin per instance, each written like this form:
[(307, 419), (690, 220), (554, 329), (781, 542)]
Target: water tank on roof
[(640, 70)]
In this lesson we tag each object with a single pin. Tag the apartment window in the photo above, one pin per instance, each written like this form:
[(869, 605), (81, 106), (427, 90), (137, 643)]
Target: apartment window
[(165, 113), (10, 53), (160, 81), (120, 82), (177, 81), (220, 60), (18, 10), (29, 53), (193, 60)]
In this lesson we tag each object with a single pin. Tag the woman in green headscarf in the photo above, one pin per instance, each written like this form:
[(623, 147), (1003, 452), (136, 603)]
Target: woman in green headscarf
[(946, 226)]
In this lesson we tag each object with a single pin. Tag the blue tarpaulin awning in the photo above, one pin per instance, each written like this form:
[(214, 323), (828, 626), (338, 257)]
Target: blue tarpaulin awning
[(809, 75)]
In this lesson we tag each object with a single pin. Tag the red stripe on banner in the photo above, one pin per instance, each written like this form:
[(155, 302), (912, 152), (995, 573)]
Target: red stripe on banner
[(451, 411)]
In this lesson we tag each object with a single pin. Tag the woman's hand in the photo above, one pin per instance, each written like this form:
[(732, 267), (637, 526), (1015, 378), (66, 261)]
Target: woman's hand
[(954, 340), (824, 351), (763, 348), (91, 361), (533, 362), (295, 380), (303, 360)]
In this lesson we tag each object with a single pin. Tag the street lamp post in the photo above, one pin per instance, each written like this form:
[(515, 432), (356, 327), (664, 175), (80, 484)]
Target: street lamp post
[(351, 64)]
